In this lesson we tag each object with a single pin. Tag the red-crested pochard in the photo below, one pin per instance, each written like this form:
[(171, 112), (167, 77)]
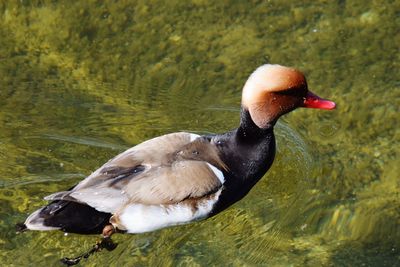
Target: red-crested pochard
[(181, 177)]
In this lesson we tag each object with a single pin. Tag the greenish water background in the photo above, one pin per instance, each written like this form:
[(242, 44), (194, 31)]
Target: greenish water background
[(81, 81)]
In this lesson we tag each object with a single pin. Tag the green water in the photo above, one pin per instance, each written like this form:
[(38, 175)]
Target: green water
[(82, 81)]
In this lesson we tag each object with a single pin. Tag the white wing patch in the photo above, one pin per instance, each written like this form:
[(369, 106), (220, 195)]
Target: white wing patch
[(217, 173), (103, 199), (193, 137), (139, 218)]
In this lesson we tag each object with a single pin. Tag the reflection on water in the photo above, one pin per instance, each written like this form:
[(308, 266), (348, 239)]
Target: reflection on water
[(82, 81)]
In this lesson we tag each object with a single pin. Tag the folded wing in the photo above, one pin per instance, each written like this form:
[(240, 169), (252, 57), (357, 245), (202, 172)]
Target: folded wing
[(164, 170)]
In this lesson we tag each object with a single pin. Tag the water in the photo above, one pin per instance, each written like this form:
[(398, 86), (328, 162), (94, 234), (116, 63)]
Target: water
[(82, 81)]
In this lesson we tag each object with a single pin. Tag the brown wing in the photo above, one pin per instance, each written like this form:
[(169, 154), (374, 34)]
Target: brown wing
[(163, 170), (174, 183)]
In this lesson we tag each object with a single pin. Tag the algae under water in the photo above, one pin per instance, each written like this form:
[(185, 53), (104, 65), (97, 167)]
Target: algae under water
[(81, 81)]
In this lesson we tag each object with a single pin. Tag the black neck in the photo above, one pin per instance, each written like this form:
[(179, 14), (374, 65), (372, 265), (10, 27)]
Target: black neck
[(248, 130), (248, 152)]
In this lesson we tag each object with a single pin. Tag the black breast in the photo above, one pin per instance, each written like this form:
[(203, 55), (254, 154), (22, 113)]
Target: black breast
[(248, 157)]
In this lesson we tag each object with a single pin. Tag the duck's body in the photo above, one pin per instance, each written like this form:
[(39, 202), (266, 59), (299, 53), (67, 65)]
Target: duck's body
[(172, 179), (182, 177)]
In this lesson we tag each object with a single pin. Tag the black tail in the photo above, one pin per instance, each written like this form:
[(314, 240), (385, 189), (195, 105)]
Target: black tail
[(68, 216)]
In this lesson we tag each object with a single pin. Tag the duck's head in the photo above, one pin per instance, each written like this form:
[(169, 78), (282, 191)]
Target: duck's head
[(274, 90)]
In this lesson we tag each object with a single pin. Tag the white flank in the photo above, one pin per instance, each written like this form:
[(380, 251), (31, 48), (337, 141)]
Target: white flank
[(139, 218), (217, 173)]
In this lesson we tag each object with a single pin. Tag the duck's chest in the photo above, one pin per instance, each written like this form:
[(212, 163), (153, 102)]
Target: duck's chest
[(247, 163)]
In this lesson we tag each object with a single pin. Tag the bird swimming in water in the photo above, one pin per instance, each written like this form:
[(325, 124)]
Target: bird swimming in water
[(180, 177)]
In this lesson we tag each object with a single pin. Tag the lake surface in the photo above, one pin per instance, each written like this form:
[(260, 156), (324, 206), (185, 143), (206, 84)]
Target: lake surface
[(80, 81)]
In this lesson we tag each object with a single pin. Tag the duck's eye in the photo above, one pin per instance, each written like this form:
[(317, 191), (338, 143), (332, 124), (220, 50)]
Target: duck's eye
[(195, 152)]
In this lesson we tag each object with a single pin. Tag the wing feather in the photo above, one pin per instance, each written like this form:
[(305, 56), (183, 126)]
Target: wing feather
[(163, 170)]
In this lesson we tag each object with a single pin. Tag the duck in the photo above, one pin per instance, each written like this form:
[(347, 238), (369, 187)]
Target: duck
[(181, 177)]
